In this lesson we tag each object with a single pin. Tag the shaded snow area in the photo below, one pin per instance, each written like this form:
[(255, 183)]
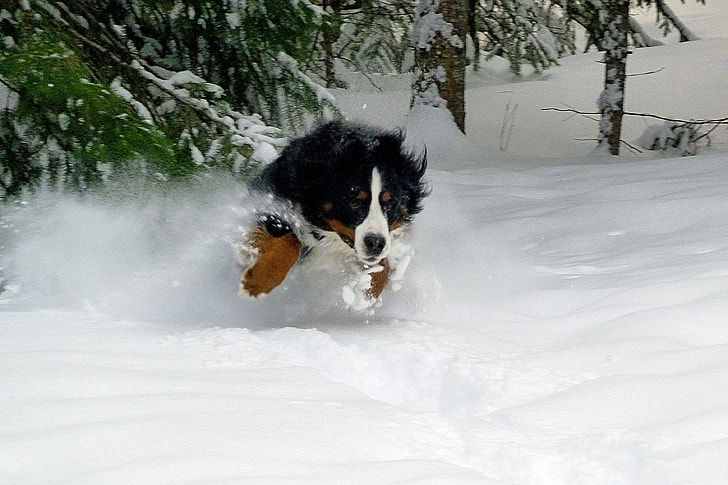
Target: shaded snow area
[(560, 322)]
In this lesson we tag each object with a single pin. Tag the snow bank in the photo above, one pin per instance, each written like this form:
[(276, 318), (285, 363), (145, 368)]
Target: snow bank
[(557, 324)]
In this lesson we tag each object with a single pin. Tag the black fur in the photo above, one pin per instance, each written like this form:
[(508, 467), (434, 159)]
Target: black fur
[(324, 172)]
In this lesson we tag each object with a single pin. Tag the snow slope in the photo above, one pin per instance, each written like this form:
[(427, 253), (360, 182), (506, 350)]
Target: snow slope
[(562, 322)]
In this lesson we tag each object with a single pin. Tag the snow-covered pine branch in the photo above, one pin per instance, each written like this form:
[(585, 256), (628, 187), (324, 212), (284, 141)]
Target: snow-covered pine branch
[(242, 130), (185, 85), (670, 18)]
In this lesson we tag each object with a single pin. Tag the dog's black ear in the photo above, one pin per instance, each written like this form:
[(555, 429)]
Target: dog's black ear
[(281, 176), (417, 185), (409, 164)]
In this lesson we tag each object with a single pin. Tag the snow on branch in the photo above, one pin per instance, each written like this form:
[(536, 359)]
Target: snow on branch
[(430, 23), (322, 94), (250, 132), (686, 34)]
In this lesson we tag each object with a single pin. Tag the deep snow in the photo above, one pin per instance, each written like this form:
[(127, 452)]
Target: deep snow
[(562, 320)]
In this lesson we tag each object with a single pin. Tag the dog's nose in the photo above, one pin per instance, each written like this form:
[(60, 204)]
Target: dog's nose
[(374, 244)]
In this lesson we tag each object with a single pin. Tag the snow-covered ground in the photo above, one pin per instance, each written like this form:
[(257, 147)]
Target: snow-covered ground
[(563, 320)]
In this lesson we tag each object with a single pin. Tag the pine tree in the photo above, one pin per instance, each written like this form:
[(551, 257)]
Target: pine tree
[(64, 128), (366, 36), (158, 88), (521, 31)]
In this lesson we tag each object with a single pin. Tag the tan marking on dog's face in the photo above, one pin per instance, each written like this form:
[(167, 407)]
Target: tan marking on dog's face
[(359, 200), (345, 233), (397, 224), (387, 203)]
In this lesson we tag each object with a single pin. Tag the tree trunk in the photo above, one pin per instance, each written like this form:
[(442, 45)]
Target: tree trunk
[(330, 36), (439, 34), (473, 32), (616, 48)]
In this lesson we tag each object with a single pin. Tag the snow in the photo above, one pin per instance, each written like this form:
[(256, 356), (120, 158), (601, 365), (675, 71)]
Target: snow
[(126, 95), (561, 319), (291, 65)]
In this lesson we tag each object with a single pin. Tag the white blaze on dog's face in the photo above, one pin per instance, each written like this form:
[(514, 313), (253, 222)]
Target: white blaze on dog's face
[(365, 215), (372, 240)]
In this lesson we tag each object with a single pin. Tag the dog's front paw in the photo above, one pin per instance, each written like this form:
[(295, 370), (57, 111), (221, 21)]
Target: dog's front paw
[(362, 292), (253, 286), (247, 258), (357, 293), (268, 258)]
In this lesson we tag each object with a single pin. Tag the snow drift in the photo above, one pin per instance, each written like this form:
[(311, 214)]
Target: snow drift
[(559, 324)]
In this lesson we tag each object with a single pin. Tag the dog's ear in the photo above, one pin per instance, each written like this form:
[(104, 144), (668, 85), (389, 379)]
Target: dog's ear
[(417, 186), (408, 164), (385, 147)]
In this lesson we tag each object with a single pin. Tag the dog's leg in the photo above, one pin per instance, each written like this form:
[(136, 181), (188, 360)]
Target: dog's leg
[(275, 249), (380, 279)]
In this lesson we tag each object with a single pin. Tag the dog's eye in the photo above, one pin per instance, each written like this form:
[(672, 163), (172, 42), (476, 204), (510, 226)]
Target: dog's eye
[(388, 205), (359, 197), (387, 201)]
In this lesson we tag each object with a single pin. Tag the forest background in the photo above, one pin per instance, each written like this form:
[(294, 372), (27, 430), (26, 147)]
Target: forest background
[(91, 92)]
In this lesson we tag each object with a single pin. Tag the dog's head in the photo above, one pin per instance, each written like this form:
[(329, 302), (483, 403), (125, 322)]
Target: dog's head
[(354, 181)]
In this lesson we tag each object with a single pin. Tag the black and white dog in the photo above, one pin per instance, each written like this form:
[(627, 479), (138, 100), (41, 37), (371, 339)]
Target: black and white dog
[(344, 184)]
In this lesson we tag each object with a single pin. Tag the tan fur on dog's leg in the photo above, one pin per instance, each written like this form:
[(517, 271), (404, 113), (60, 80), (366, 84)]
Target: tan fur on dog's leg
[(380, 280), (275, 258)]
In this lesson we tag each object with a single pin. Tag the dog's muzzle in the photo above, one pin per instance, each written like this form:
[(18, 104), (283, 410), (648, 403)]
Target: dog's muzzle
[(374, 246)]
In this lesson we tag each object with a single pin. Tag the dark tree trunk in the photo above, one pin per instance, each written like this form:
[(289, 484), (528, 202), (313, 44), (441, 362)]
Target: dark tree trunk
[(455, 12), (616, 48), (440, 56), (330, 36)]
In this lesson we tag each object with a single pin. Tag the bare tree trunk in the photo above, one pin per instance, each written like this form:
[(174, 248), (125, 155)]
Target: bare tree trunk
[(440, 30), (473, 32), (455, 12), (616, 48)]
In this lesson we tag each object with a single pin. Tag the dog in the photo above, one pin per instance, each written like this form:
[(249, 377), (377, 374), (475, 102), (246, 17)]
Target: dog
[(346, 185)]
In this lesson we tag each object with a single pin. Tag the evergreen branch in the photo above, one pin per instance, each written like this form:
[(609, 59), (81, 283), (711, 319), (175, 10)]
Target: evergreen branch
[(7, 84), (685, 33), (361, 71), (140, 66), (116, 59), (201, 106)]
